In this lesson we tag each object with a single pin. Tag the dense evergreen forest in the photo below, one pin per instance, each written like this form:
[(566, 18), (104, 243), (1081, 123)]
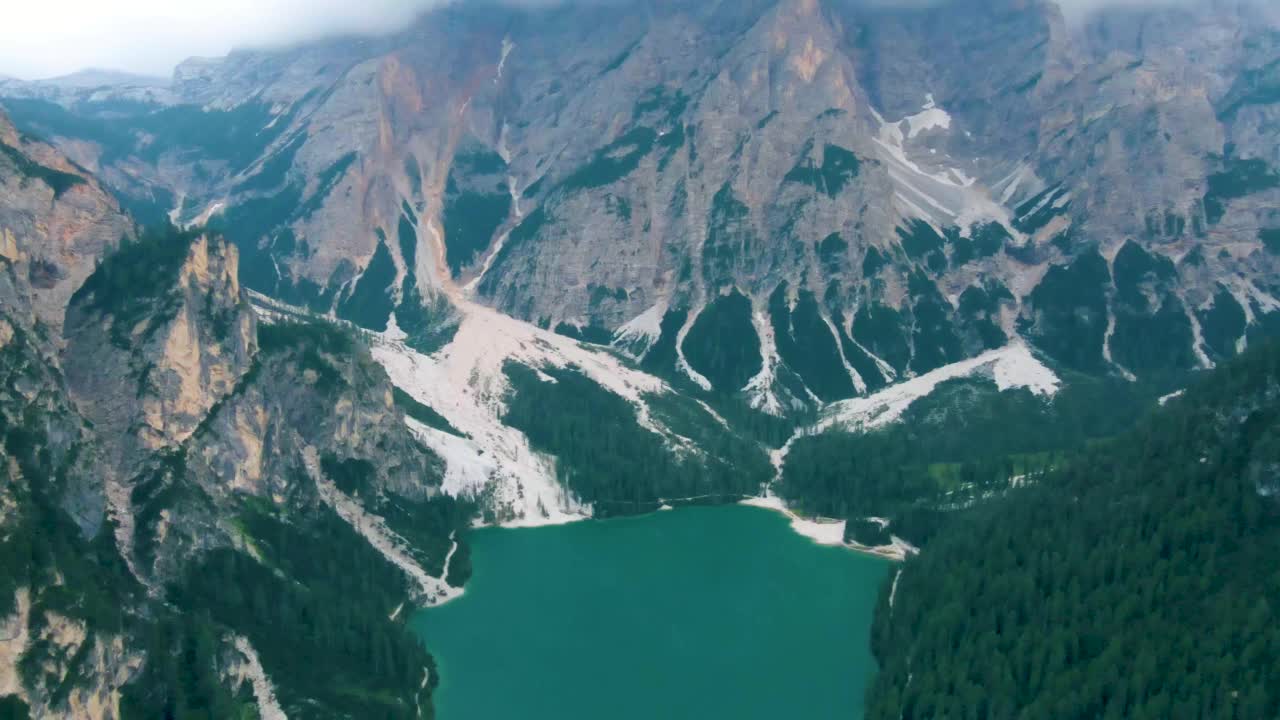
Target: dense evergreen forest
[(1136, 579), (312, 597), (606, 457), (960, 444), (318, 618), (137, 280)]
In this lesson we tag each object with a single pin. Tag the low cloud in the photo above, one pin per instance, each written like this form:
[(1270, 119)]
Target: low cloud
[(45, 38), (1082, 9), (1074, 9)]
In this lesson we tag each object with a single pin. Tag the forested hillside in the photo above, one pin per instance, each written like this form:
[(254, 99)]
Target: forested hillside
[(607, 456), (1136, 580), (965, 442)]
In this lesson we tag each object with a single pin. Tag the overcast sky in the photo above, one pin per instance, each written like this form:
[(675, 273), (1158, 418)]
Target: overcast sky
[(45, 38)]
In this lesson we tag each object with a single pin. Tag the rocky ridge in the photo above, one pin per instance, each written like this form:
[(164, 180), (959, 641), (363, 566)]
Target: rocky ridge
[(688, 213), (891, 190), (158, 431)]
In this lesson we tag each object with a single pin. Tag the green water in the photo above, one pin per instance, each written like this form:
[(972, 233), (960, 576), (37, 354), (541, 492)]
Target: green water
[(702, 613)]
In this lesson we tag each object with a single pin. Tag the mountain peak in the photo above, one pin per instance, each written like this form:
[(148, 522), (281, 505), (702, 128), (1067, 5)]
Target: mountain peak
[(104, 78)]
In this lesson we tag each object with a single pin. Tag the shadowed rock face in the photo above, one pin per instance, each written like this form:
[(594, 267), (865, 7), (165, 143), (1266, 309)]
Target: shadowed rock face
[(171, 372), (578, 166), (147, 368), (55, 222)]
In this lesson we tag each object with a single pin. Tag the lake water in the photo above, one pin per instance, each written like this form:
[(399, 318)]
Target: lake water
[(702, 613)]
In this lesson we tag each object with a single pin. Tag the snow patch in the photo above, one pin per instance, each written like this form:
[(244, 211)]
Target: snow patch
[(1048, 198), (251, 669), (1106, 345), (1197, 342), (682, 363), (943, 197), (374, 530), (931, 117), (916, 211), (859, 384), (1013, 182), (1265, 302), (393, 333), (507, 47), (961, 177), (886, 370), (905, 183), (502, 239), (636, 336), (759, 389), (893, 591), (448, 559), (203, 218), (175, 215), (465, 382), (1013, 366), (712, 412)]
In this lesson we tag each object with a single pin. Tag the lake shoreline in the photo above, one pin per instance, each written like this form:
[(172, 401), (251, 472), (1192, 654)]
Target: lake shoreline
[(830, 532), (822, 531), (566, 620)]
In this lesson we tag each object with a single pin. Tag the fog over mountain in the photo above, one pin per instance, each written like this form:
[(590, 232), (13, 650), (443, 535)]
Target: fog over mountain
[(150, 37)]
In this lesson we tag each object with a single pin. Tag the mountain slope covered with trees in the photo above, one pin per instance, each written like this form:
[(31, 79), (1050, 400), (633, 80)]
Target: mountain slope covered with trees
[(1136, 580)]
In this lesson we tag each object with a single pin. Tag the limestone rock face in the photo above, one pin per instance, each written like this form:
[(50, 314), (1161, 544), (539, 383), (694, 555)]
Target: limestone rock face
[(176, 385), (306, 396), (147, 376), (889, 185), (55, 221), (167, 416)]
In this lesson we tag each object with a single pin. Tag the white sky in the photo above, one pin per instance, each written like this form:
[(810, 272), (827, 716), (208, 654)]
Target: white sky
[(46, 38)]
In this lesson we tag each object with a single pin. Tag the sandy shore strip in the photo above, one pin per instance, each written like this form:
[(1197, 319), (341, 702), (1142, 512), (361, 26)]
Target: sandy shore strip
[(830, 532)]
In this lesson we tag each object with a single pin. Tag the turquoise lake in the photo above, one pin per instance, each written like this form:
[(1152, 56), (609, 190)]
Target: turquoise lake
[(698, 613)]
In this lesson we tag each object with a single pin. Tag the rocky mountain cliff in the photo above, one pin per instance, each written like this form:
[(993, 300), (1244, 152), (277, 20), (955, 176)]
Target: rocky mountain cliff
[(215, 502), (853, 193), (56, 220), (160, 445), (719, 239)]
